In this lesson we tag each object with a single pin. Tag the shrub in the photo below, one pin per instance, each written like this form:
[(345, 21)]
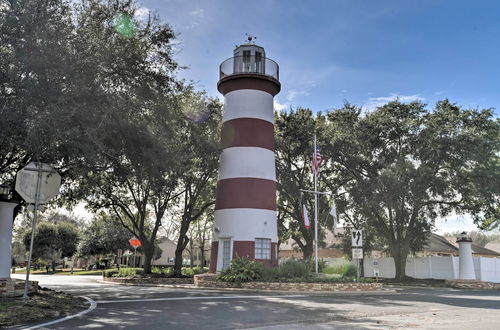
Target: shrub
[(128, 272), (186, 271), (295, 268), (167, 271), (200, 270), (349, 270), (110, 273), (241, 270), (345, 269)]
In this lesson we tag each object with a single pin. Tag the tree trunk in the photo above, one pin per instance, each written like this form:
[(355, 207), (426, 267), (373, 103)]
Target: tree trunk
[(191, 253), (148, 257), (400, 253), (202, 254), (308, 251), (181, 245)]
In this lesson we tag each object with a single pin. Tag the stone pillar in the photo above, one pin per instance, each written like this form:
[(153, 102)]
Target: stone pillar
[(6, 220), (466, 263)]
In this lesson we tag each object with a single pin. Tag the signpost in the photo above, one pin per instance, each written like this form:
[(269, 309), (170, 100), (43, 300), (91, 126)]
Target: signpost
[(36, 183), (375, 269), (357, 253), (135, 244), (357, 238), (357, 247)]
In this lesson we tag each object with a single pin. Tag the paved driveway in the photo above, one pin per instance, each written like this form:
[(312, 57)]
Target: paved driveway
[(132, 307)]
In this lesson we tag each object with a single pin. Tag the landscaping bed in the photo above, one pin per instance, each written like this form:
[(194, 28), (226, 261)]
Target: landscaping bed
[(42, 305), (290, 275), (150, 280), (158, 275), (410, 281), (213, 281)]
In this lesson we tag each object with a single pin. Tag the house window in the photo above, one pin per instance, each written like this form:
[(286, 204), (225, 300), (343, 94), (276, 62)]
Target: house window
[(262, 248)]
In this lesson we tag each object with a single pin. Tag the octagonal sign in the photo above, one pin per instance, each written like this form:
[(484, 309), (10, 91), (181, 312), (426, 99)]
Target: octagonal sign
[(26, 180)]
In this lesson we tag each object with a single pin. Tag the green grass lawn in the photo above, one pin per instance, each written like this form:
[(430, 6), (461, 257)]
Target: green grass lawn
[(65, 271)]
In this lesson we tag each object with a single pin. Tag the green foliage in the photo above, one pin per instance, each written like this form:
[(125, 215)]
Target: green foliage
[(290, 271), (103, 235), (345, 270), (241, 270), (200, 270), (187, 271), (403, 166), (110, 272), (53, 241), (67, 236), (291, 268), (294, 146), (128, 272), (155, 272)]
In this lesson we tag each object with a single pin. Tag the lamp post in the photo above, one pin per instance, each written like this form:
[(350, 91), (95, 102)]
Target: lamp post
[(7, 206)]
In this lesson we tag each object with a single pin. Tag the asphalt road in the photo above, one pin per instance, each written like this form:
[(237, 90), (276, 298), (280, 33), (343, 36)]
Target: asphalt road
[(144, 308)]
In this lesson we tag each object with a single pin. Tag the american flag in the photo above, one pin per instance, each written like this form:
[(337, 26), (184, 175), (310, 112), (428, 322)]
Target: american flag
[(316, 162)]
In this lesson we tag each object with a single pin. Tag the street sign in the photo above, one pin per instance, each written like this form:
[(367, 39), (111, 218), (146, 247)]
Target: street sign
[(134, 242), (357, 253), (26, 181), (357, 238)]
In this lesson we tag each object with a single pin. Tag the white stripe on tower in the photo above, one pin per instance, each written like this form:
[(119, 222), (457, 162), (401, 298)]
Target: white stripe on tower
[(247, 162), (248, 103)]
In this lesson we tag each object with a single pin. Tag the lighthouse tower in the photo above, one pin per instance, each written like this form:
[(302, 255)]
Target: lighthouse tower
[(245, 209)]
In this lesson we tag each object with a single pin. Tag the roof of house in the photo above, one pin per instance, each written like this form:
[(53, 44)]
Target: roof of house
[(484, 251), (493, 246), (439, 244)]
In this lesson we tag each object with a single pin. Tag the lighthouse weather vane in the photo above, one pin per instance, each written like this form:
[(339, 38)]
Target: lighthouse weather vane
[(250, 38)]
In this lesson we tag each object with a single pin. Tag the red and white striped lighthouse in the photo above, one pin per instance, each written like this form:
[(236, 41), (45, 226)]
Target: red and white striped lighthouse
[(245, 210)]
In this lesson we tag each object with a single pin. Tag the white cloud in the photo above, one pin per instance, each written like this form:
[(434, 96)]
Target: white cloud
[(374, 102), (292, 94), (280, 106), (455, 222), (141, 13), (198, 12)]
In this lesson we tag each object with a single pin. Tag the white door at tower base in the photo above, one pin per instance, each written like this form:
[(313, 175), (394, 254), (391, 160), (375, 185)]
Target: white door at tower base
[(226, 253)]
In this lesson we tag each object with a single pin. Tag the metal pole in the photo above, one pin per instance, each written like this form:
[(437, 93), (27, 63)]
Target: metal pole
[(358, 270), (315, 211), (316, 192), (135, 252), (33, 224)]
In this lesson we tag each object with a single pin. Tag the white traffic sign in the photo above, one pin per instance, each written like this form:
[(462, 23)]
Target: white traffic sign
[(357, 238), (26, 181), (357, 253)]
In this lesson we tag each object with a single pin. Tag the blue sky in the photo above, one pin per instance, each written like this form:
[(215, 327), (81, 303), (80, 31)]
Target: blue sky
[(363, 52)]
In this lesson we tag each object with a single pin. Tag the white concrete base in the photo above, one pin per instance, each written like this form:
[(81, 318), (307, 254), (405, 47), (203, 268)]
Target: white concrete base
[(466, 264), (6, 222)]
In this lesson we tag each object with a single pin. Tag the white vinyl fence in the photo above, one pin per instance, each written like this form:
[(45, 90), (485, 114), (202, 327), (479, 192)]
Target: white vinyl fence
[(443, 268)]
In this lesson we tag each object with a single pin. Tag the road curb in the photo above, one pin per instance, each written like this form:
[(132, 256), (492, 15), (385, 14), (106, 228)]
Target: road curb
[(92, 306), (309, 293)]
